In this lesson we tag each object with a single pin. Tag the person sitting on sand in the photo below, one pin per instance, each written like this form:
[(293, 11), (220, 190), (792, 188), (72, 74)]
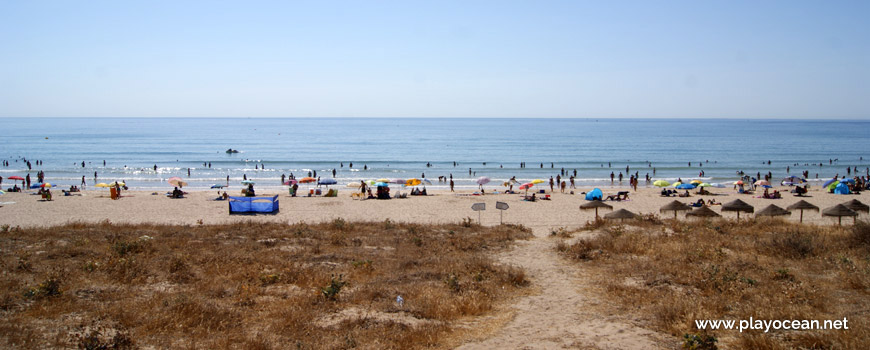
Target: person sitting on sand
[(176, 193), (713, 202), (699, 203), (250, 192), (423, 193), (685, 194), (776, 195)]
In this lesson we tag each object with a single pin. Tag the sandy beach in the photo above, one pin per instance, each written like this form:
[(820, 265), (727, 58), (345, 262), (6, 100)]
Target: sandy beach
[(439, 207)]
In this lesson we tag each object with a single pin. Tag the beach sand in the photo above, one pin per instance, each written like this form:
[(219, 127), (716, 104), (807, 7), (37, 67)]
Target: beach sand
[(439, 207)]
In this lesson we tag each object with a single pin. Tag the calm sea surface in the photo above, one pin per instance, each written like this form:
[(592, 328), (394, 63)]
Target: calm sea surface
[(401, 148)]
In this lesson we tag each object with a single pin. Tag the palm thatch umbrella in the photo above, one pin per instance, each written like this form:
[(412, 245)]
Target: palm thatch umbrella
[(738, 206), (856, 205), (620, 214), (839, 211), (595, 205), (675, 206), (803, 205), (703, 212), (773, 210)]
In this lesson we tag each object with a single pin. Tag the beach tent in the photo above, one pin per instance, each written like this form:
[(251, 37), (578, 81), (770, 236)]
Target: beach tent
[(242, 205), (842, 189), (595, 194)]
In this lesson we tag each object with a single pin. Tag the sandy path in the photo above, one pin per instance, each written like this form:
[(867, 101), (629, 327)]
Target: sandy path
[(561, 315)]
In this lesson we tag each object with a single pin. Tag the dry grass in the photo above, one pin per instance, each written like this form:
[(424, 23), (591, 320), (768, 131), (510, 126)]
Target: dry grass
[(249, 285), (676, 272)]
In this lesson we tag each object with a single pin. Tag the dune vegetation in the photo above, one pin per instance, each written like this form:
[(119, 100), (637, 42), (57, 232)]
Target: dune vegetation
[(671, 273), (251, 285)]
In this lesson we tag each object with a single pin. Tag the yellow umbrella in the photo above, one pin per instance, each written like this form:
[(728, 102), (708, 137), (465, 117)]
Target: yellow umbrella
[(119, 183), (675, 184), (696, 182), (102, 184), (383, 180), (413, 182), (538, 181)]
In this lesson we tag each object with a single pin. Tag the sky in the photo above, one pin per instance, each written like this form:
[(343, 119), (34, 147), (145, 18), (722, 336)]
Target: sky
[(528, 59)]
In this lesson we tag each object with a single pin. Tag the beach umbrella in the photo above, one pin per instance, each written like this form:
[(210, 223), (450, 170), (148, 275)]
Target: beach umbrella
[(856, 205), (308, 179), (847, 181), (248, 182), (621, 214), (738, 182), (381, 184), (703, 212), (594, 205), (772, 210), (413, 182), (15, 177), (291, 182), (792, 180), (829, 182), (121, 183), (384, 180), (176, 181), (803, 205), (327, 182), (44, 185), (717, 185), (218, 186), (354, 185), (526, 187), (686, 186), (675, 184), (537, 181), (675, 206), (427, 182), (397, 181), (839, 211), (696, 182), (832, 185), (738, 206), (704, 184), (103, 185), (483, 180), (762, 183), (661, 183)]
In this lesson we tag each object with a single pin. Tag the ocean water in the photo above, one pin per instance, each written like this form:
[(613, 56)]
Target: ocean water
[(401, 148)]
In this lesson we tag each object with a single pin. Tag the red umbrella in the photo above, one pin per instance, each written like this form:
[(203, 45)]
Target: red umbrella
[(15, 178), (306, 180), (526, 186)]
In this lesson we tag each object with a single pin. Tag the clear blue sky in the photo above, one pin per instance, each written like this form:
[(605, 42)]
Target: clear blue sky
[(578, 59)]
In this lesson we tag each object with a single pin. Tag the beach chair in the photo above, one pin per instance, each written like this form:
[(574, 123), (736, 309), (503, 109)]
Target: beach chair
[(331, 193)]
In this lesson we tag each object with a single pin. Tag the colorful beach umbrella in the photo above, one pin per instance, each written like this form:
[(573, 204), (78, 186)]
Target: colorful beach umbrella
[(307, 179), (291, 182), (762, 183), (537, 181), (483, 180), (739, 182), (381, 184), (413, 182), (103, 185), (384, 180), (661, 183), (696, 182), (45, 185), (826, 184)]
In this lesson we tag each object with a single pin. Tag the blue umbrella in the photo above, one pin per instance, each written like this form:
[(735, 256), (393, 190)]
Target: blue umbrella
[(848, 181), (218, 186), (327, 182), (828, 182), (382, 184), (686, 186)]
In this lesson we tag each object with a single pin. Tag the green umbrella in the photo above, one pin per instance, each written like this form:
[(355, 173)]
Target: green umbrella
[(661, 183)]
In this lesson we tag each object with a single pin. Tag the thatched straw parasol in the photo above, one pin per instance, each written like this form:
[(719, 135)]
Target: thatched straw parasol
[(856, 205), (704, 212), (773, 210), (803, 205), (738, 206), (675, 206), (620, 214), (595, 205), (839, 211)]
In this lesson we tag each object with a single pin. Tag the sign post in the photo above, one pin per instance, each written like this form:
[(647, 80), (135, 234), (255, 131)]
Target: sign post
[(478, 207), (501, 206)]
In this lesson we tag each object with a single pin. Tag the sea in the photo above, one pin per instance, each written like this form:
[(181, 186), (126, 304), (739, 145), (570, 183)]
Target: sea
[(128, 149)]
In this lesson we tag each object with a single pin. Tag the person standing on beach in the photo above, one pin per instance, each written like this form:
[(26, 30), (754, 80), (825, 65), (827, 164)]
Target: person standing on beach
[(188, 172), (155, 167), (611, 177), (451, 183), (28, 181), (333, 172), (282, 178), (572, 183), (95, 177), (551, 184), (563, 186), (83, 181), (620, 176)]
